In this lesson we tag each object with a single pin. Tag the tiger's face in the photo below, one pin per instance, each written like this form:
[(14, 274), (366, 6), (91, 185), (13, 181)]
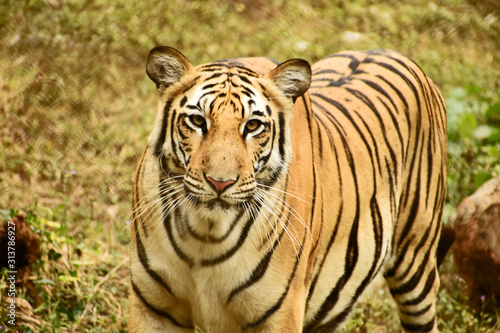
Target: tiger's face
[(222, 130), (225, 143)]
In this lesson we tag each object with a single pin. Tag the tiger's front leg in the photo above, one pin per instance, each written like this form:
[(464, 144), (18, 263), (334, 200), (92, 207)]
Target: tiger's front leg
[(287, 321), (144, 320), (289, 318)]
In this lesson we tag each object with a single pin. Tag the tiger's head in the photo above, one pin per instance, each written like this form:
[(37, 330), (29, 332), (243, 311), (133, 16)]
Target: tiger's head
[(222, 130)]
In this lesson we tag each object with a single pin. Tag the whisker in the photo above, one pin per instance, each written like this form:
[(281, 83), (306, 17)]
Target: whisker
[(293, 238), (251, 210), (273, 227), (145, 208), (291, 210), (170, 207), (285, 192)]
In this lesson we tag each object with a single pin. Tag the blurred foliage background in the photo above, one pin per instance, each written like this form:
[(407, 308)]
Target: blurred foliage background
[(76, 108)]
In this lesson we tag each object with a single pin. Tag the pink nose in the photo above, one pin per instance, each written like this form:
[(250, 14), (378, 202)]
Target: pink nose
[(218, 185)]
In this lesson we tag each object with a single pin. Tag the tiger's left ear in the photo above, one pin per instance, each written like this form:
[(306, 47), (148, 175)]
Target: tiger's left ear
[(293, 77)]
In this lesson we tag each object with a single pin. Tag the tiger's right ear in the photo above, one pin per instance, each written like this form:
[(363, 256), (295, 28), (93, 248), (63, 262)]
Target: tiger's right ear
[(166, 66)]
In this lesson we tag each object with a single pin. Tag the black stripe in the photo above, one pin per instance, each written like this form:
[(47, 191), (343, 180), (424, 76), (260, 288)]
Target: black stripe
[(352, 250), (398, 92), (257, 273), (261, 268), (378, 231), (418, 313), (374, 156), (319, 142), (214, 76), (225, 64), (173, 143), (244, 79), (278, 304), (406, 113), (342, 55), (325, 71), (219, 64), (399, 73), (380, 90), (277, 171), (244, 70), (263, 160), (413, 282), (332, 236), (430, 157), (263, 144), (208, 86), (282, 135), (416, 197), (422, 241), (429, 283), (370, 104), (159, 312), (415, 94), (143, 258), (427, 327), (264, 91), (258, 113), (231, 251), (211, 239), (392, 188), (395, 123), (364, 99), (183, 101), (334, 323), (167, 223), (346, 113), (137, 212), (157, 149), (247, 91), (272, 230), (401, 255)]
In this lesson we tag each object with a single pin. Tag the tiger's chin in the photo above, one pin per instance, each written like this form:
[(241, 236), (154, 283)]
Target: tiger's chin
[(212, 219)]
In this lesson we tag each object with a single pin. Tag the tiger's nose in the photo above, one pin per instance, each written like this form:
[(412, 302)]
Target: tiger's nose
[(219, 185)]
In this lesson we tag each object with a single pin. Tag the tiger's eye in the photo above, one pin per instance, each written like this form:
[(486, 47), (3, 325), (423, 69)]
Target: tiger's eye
[(198, 120), (252, 125)]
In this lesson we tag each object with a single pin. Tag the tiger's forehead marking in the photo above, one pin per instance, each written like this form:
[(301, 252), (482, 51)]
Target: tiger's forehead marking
[(224, 86)]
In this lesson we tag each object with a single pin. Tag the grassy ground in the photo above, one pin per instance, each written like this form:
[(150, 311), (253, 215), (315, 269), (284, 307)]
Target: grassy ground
[(76, 108)]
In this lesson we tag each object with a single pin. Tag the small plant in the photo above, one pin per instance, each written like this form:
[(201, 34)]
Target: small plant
[(473, 140), (72, 287)]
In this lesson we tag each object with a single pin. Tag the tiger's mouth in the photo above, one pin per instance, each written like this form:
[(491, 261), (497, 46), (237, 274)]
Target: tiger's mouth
[(212, 204), (217, 203)]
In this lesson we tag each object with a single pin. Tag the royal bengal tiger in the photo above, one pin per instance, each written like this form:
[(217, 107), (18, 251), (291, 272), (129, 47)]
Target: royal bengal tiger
[(270, 196)]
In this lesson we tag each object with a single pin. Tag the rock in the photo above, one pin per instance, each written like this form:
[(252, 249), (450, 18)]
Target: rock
[(477, 245), (26, 249)]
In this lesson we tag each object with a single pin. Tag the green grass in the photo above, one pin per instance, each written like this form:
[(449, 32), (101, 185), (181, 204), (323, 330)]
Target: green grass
[(76, 108)]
